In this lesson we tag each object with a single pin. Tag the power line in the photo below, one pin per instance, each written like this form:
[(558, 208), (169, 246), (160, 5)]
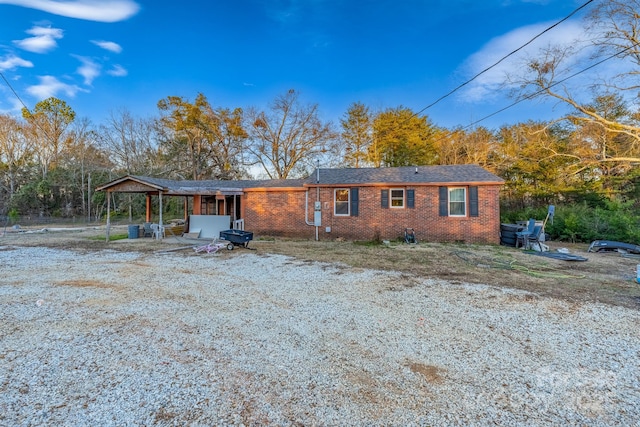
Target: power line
[(25, 106), (498, 62), (503, 58), (13, 90), (544, 89), (541, 91)]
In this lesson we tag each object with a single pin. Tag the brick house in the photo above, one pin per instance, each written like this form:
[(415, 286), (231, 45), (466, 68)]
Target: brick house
[(453, 203)]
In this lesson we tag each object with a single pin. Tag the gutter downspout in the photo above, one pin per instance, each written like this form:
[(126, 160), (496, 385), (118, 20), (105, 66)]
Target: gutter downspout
[(306, 203), (306, 208), (317, 193)]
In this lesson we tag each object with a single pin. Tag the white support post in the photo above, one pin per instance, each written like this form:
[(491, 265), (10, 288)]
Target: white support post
[(108, 214), (161, 228)]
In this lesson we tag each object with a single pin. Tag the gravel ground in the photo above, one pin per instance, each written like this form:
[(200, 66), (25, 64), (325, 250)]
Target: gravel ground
[(125, 338)]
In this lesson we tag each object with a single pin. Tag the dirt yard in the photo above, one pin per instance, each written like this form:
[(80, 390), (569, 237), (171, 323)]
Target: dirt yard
[(145, 332), (608, 277)]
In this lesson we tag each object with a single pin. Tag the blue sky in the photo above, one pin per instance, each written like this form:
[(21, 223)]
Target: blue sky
[(104, 56)]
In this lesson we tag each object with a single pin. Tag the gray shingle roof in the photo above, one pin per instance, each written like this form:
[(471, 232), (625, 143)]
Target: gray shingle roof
[(171, 184), (409, 174), (349, 176)]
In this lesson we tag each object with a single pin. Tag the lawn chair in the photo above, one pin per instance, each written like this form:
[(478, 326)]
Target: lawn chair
[(535, 239), (522, 237), (157, 231), (532, 240), (146, 230)]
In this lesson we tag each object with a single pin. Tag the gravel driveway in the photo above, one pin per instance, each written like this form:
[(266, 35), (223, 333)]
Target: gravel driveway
[(124, 338)]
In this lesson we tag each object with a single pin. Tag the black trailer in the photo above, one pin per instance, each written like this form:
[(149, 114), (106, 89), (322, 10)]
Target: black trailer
[(611, 246), (236, 238)]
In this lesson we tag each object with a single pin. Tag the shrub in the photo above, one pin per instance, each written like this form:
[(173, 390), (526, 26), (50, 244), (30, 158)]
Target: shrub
[(581, 222)]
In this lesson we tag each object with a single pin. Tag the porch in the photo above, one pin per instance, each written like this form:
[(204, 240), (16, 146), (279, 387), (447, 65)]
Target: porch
[(201, 199)]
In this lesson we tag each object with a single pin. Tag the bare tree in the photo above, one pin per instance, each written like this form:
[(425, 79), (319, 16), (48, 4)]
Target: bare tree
[(285, 138), (84, 160), (608, 121), (459, 147), (129, 142), (15, 154)]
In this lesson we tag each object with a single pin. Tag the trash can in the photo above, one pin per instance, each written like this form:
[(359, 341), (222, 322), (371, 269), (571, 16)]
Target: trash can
[(134, 231)]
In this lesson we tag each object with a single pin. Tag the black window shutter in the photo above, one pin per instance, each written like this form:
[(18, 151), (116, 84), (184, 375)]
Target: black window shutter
[(443, 202), (473, 201), (411, 196), (354, 202), (384, 197)]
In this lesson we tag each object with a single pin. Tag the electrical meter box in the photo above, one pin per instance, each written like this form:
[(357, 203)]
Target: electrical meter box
[(318, 206)]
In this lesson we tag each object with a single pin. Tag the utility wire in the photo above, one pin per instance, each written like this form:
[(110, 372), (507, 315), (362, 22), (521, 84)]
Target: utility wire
[(503, 58), (25, 106), (13, 90), (540, 91), (544, 89), (494, 65)]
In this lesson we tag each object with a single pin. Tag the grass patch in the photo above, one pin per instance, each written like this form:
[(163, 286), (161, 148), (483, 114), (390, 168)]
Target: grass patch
[(112, 237), (368, 243), (602, 278)]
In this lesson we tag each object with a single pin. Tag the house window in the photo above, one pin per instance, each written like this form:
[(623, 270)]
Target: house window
[(457, 201), (397, 198), (341, 201)]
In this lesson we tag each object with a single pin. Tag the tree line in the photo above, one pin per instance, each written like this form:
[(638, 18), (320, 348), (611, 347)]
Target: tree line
[(50, 160)]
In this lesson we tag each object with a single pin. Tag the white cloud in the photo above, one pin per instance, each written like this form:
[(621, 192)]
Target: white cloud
[(106, 45), (490, 83), (14, 104), (43, 40), (11, 62), (50, 86), (117, 71), (89, 69), (91, 10)]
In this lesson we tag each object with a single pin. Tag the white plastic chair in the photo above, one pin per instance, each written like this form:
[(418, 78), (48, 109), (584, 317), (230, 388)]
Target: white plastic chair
[(158, 232)]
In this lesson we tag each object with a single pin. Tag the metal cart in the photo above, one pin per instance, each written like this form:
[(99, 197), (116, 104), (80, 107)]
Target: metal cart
[(236, 238)]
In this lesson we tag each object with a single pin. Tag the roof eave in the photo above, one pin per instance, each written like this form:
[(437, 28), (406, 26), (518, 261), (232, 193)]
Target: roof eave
[(402, 184), (130, 178)]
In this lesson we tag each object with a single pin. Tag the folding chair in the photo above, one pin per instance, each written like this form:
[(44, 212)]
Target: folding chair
[(522, 237), (534, 238)]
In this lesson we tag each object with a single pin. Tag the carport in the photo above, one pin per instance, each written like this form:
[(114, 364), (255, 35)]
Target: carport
[(209, 197)]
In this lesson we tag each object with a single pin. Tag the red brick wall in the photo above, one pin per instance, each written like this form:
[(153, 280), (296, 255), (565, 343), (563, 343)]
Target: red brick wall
[(276, 213), (282, 213)]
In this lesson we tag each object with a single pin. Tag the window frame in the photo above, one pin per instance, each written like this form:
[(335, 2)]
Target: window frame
[(392, 198), (464, 201), (335, 201)]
